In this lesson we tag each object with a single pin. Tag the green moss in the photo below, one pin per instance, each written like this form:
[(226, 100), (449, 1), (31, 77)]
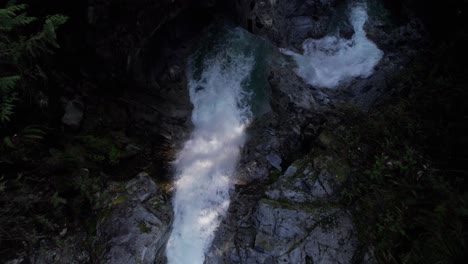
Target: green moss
[(326, 139), (156, 202), (264, 243), (144, 228), (298, 163), (340, 169), (119, 200), (277, 204), (329, 161), (274, 176), (101, 150), (73, 156)]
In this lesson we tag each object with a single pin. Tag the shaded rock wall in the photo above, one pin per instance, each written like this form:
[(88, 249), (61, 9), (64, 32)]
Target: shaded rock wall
[(286, 23), (139, 39)]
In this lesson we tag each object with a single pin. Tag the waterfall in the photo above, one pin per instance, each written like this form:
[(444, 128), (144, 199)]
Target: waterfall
[(208, 159), (329, 60)]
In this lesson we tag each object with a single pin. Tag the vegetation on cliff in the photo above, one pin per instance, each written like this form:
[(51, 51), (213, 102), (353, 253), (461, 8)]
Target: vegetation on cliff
[(409, 189)]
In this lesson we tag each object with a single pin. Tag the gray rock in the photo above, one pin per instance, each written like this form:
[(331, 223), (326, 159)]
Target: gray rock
[(303, 27), (294, 222), (286, 23), (138, 224), (73, 114), (295, 233), (274, 160), (290, 171), (131, 150), (318, 190), (333, 242)]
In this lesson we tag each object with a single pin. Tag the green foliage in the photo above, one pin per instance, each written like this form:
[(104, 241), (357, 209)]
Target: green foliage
[(144, 228), (20, 51), (101, 150), (22, 142), (56, 200), (43, 180), (12, 16), (22, 202), (44, 41), (406, 209), (88, 187), (8, 96), (31, 134), (274, 175)]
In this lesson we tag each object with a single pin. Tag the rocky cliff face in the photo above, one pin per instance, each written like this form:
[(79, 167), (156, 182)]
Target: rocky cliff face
[(137, 223), (283, 209), (286, 22)]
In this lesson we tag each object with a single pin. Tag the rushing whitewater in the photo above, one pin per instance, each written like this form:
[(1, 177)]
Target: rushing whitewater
[(329, 60), (208, 159)]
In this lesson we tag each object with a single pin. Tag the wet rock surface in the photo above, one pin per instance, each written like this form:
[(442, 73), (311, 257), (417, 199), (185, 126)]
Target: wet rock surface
[(293, 217), (286, 22), (136, 226)]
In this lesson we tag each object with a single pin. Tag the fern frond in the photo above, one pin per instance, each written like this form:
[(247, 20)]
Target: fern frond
[(50, 26), (32, 134), (8, 83), (56, 20), (12, 17), (43, 41), (8, 142), (33, 131), (6, 107), (7, 97), (21, 51)]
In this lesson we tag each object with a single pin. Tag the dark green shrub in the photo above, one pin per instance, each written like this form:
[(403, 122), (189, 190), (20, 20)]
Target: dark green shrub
[(101, 150), (20, 52)]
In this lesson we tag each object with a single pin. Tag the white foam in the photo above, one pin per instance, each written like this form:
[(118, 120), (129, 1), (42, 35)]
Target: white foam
[(330, 60), (208, 159)]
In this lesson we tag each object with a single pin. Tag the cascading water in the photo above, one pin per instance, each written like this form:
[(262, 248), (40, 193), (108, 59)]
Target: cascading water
[(329, 60), (217, 81), (224, 81)]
